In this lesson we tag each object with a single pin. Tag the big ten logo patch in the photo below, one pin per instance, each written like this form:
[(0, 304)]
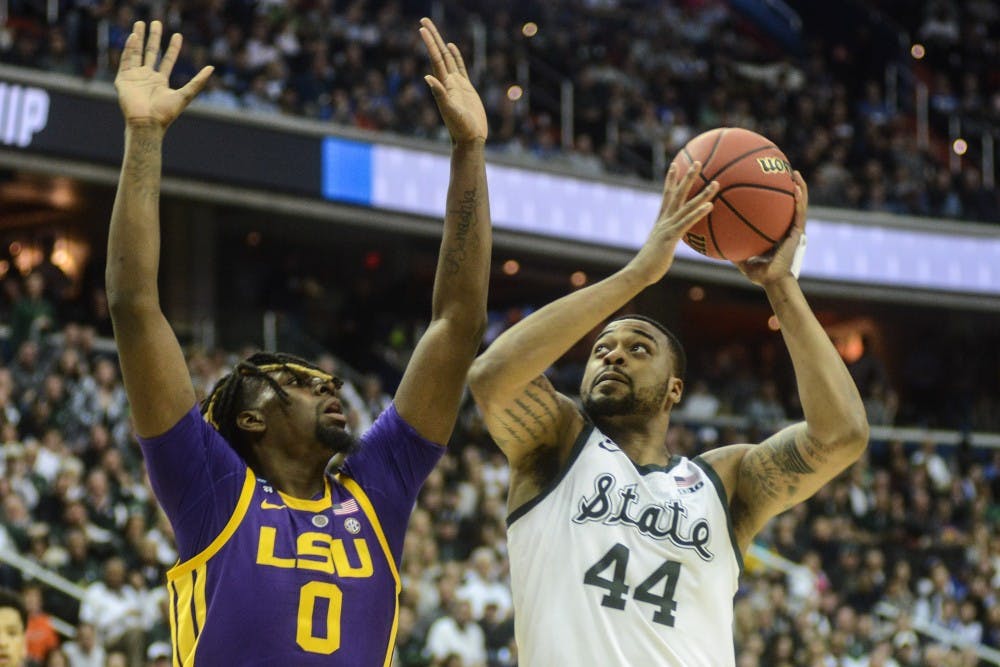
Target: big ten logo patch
[(773, 165), (24, 112)]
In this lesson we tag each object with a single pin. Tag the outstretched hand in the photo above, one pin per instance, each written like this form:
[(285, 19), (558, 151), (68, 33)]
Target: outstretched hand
[(144, 92), (457, 99), (677, 215), (777, 263)]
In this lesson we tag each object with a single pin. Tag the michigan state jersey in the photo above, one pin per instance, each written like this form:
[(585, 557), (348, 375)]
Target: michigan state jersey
[(620, 565), (267, 579)]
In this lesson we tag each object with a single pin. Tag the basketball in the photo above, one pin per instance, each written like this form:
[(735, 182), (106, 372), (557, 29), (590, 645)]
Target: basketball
[(756, 201)]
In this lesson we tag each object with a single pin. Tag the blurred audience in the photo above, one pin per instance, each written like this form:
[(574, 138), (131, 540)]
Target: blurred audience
[(646, 76)]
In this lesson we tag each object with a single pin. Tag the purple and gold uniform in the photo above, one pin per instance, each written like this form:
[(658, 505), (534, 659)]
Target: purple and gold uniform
[(266, 579)]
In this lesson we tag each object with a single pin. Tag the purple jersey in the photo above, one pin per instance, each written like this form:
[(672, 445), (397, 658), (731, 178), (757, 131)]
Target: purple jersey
[(266, 579)]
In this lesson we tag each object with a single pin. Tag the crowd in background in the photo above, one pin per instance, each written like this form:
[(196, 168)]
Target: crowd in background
[(915, 526), (912, 525), (647, 76)]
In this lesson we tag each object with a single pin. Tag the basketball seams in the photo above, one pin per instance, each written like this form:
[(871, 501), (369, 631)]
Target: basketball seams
[(711, 154), (738, 159), (711, 233), (743, 219), (762, 148), (757, 186)]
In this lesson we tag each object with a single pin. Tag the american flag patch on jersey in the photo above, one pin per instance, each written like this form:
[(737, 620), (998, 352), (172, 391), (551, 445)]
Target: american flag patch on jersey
[(348, 507)]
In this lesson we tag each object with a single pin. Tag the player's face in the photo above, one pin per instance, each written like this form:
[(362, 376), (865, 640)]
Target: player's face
[(11, 638), (628, 372), (315, 411)]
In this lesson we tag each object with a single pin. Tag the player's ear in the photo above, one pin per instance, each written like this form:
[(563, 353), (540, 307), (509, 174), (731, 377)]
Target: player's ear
[(251, 420), (675, 390)]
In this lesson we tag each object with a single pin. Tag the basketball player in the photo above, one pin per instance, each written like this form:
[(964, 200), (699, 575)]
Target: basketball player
[(281, 562), (13, 623), (622, 554)]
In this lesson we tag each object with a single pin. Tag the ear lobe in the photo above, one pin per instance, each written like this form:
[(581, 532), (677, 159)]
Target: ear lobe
[(675, 390), (251, 420)]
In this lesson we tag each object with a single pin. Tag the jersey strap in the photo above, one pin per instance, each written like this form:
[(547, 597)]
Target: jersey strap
[(724, 499)]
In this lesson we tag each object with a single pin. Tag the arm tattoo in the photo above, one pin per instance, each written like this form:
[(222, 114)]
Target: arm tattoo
[(545, 406), (776, 470), (520, 422), (531, 416), (454, 254), (787, 457), (526, 409)]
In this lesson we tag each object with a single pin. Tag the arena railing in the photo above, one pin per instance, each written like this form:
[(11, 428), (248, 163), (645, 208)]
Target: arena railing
[(32, 570)]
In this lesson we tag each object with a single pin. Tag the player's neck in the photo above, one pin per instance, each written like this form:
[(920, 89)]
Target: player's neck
[(642, 441), (294, 478)]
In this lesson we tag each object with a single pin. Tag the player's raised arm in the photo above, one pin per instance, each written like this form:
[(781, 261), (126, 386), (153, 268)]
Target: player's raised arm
[(431, 389), (521, 408), (793, 464), (153, 366)]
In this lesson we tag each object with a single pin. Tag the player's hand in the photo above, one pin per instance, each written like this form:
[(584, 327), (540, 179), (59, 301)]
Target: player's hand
[(777, 263), (677, 215), (458, 101), (144, 92)]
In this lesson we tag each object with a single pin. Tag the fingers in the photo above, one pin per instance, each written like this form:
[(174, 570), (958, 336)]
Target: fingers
[(458, 59), (702, 199), (153, 43), (682, 185), (132, 52), (692, 214), (437, 62), (801, 200), (170, 57), (437, 88), (684, 188), (446, 56), (668, 181), (195, 85)]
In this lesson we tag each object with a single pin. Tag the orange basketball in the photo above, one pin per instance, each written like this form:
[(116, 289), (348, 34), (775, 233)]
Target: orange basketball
[(756, 201)]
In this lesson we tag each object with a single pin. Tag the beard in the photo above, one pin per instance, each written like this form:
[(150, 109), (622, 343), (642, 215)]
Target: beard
[(633, 403), (338, 440)]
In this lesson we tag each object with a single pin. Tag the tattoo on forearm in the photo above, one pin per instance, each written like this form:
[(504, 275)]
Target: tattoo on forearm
[(454, 253)]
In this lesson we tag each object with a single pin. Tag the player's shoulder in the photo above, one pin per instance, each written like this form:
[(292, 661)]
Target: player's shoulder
[(725, 462)]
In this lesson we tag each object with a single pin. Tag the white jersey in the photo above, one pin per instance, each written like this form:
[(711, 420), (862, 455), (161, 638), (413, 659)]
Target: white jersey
[(619, 565)]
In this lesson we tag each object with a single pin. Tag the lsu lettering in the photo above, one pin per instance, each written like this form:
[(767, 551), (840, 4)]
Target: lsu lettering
[(331, 581)]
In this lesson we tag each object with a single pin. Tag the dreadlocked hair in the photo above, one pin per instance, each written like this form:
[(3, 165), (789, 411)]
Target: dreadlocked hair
[(229, 395)]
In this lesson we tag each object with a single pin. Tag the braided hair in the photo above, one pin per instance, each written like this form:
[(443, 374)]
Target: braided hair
[(231, 394)]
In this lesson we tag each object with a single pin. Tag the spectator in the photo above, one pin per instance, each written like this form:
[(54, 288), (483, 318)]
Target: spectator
[(115, 609), (457, 634), (84, 650), (482, 586), (40, 636), (34, 314)]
